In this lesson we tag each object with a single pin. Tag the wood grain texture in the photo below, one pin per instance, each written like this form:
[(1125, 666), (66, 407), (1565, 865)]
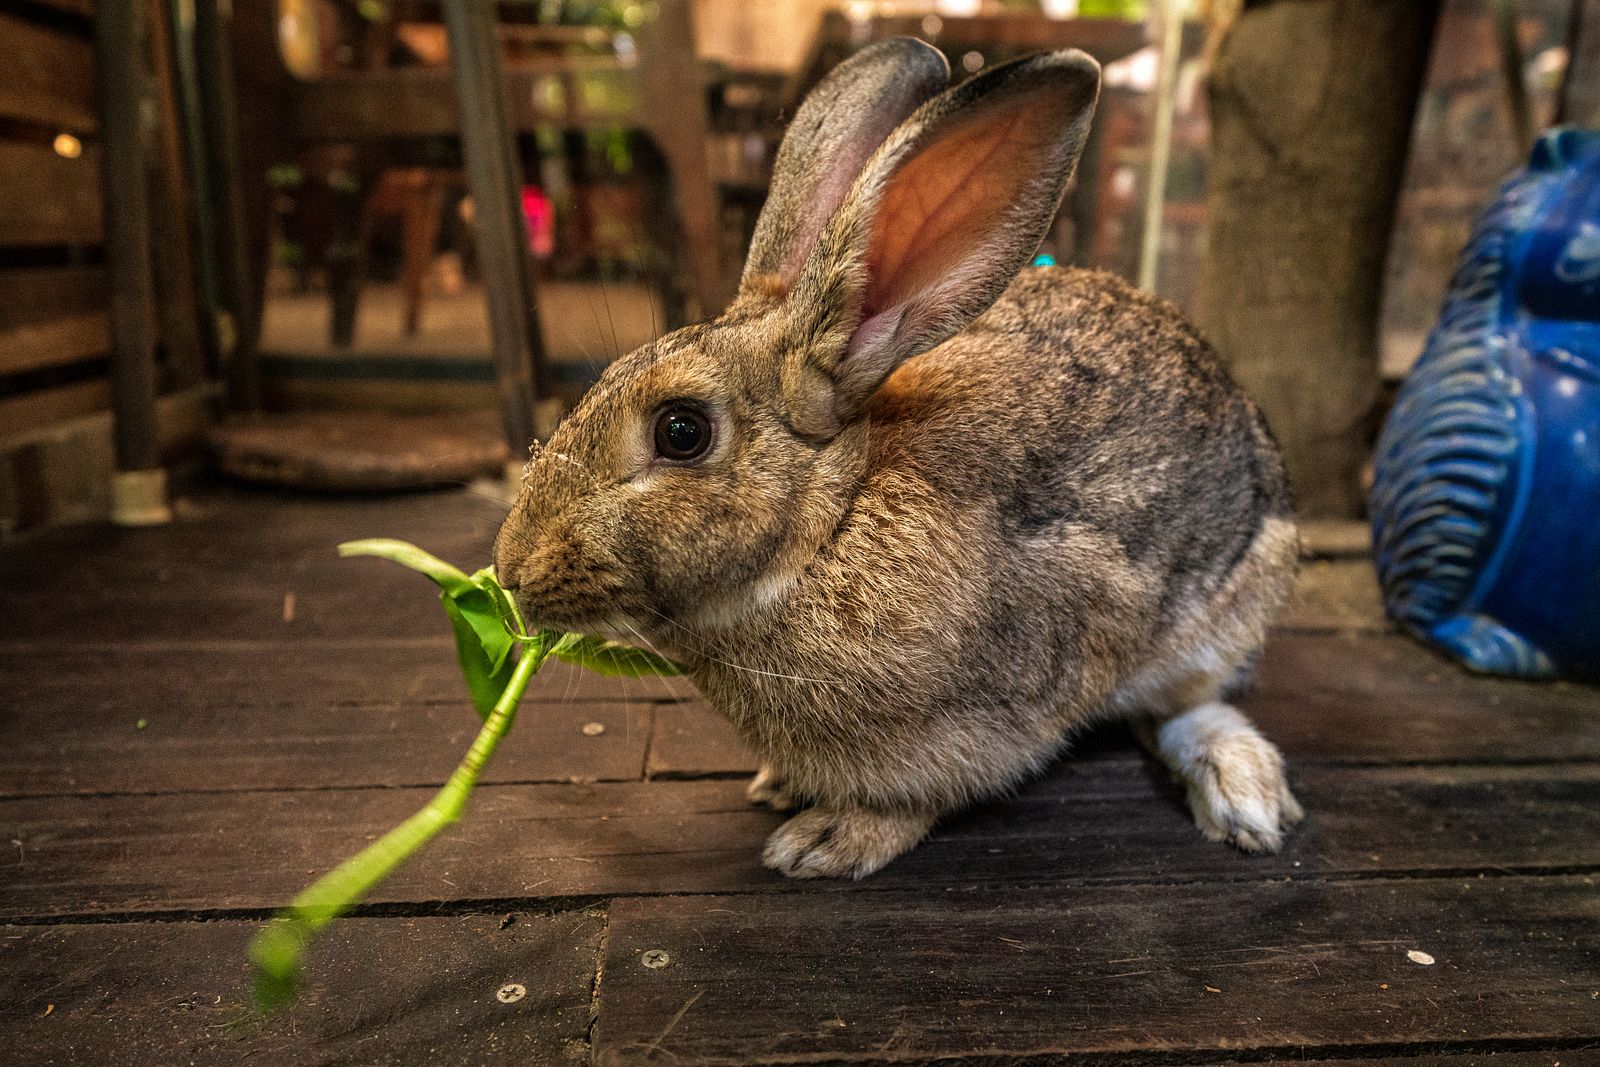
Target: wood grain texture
[(1335, 596), (49, 200), (1083, 916), (73, 7), (48, 77), (403, 991), (1105, 821), (222, 570), (226, 750), (1285, 967), (297, 679), (26, 414), (1352, 698), (52, 316)]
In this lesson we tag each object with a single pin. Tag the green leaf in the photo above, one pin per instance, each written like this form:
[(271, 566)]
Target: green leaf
[(449, 578), (279, 948), (611, 657), (486, 670), (478, 607), (485, 579), (480, 612)]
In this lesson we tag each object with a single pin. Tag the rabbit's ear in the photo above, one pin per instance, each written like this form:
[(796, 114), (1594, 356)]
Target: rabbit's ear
[(942, 218), (835, 131)]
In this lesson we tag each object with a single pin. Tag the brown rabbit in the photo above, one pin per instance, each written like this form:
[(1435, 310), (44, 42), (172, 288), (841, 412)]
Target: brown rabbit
[(910, 517)]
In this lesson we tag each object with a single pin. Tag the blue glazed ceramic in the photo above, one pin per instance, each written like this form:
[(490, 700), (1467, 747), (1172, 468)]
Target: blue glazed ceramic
[(1486, 500)]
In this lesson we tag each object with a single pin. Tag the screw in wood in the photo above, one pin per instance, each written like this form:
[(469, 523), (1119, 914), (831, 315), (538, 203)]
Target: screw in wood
[(511, 992), (655, 958), (594, 729)]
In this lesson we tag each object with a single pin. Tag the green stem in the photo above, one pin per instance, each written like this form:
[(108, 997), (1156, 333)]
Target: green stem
[(277, 950)]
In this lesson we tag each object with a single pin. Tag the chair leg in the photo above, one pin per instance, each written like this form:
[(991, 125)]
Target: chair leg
[(420, 236)]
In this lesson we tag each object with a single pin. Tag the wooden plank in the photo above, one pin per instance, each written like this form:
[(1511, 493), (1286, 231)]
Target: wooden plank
[(64, 474), (408, 103), (1105, 821), (222, 570), (1361, 698), (70, 750), (693, 741), (73, 7), (47, 78), (285, 678), (26, 414), (1556, 1055), (1335, 596), (52, 316), (49, 199), (1285, 968), (377, 991), (1333, 699)]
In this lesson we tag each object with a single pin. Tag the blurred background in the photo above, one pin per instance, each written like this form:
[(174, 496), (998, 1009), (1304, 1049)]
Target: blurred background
[(379, 243)]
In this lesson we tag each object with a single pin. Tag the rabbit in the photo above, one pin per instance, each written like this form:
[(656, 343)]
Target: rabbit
[(911, 513)]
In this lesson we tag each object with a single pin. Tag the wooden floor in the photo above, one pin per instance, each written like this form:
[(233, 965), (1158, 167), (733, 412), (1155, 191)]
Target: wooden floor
[(198, 719)]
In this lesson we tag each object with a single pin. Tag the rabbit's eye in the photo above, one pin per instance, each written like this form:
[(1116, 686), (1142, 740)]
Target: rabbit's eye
[(682, 434)]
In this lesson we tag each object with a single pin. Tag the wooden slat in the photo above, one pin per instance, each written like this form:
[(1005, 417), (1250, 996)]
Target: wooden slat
[(1349, 699), (1284, 968), (73, 7), (1360, 698), (222, 571), (52, 316), (693, 741), (1335, 596), (49, 199), (26, 414), (47, 78), (377, 991), (305, 747), (1093, 822), (420, 102), (294, 679)]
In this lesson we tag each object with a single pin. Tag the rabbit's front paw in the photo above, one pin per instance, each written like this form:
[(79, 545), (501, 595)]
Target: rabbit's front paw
[(841, 843), (767, 788), (1237, 788)]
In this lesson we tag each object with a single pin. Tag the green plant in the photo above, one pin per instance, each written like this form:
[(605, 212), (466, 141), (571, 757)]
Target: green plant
[(488, 631)]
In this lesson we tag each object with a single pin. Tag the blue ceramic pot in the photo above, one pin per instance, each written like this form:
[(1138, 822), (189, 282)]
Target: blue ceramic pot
[(1486, 499)]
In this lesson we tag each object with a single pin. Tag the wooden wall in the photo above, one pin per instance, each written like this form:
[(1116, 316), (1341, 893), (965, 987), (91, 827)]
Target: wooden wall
[(54, 333)]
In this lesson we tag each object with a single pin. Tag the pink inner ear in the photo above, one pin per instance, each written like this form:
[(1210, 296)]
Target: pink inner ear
[(949, 200), (875, 330), (830, 192)]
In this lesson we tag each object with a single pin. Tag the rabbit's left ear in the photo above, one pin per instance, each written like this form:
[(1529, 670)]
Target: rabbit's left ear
[(942, 218)]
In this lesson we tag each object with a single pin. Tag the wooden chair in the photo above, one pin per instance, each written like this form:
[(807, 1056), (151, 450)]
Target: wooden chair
[(649, 82)]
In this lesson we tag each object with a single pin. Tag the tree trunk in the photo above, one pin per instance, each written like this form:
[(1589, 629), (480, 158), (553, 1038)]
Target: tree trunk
[(1311, 109)]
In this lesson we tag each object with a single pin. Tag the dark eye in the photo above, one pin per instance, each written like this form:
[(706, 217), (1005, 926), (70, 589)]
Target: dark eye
[(682, 433)]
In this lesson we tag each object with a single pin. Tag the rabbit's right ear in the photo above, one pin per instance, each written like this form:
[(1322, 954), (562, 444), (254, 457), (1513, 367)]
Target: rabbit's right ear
[(835, 131)]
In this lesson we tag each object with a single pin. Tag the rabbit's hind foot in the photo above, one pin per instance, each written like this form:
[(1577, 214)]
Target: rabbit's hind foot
[(768, 788), (827, 842), (1234, 776)]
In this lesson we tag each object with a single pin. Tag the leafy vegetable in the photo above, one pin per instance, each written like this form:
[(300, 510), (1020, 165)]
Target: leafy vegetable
[(611, 657), (479, 612), (487, 629)]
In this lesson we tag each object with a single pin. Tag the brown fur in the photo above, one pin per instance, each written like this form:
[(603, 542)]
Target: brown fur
[(907, 591)]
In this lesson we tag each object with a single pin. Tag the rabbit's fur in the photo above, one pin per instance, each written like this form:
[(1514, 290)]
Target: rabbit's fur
[(952, 510)]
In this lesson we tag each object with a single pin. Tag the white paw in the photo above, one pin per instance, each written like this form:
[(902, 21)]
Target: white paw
[(1234, 776), (766, 788), (847, 843)]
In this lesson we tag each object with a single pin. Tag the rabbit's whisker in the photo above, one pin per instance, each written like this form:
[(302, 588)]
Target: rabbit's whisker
[(699, 649)]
